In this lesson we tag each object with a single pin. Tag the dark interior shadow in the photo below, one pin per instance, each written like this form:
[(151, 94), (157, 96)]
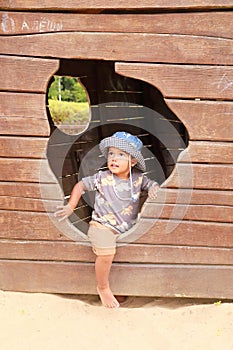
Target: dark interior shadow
[(117, 103)]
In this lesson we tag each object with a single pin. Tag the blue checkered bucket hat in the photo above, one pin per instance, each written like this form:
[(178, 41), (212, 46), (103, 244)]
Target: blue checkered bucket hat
[(127, 143)]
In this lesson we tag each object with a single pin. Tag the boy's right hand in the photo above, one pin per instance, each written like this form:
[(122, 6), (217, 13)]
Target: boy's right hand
[(63, 212)]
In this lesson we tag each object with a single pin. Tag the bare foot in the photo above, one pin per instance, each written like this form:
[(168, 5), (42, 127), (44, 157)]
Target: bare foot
[(107, 298)]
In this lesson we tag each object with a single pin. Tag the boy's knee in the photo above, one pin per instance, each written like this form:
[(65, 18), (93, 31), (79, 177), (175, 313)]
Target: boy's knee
[(104, 251), (106, 258)]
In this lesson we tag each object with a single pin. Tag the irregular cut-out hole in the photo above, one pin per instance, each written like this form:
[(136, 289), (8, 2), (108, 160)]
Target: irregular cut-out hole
[(117, 103), (68, 104)]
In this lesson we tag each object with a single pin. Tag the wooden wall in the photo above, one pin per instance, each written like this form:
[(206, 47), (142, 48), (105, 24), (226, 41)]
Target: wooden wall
[(185, 51)]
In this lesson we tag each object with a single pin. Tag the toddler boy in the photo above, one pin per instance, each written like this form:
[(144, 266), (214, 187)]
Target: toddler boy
[(116, 202)]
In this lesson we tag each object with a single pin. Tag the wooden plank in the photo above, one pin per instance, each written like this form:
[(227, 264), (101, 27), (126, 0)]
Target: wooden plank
[(10, 200), (201, 176), (205, 120), (29, 225), (131, 253), (165, 195), (208, 82), (29, 190), (196, 23), (46, 251), (189, 212), (28, 204), (24, 105), (207, 152), (23, 126), (78, 278), (38, 226), (177, 232), (108, 4), (17, 73), (42, 226), (23, 147), (23, 114), (182, 49), (28, 170), (35, 274), (204, 197)]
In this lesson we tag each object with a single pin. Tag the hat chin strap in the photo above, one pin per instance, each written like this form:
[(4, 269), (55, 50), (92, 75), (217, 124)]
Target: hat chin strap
[(134, 197)]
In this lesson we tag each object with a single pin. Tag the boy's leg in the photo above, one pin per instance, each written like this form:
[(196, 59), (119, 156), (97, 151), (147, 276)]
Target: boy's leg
[(103, 242), (103, 265)]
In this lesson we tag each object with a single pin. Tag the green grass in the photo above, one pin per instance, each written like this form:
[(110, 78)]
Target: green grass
[(69, 113)]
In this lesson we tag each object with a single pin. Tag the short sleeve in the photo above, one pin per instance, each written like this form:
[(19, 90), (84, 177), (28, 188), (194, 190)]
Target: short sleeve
[(147, 183), (90, 182)]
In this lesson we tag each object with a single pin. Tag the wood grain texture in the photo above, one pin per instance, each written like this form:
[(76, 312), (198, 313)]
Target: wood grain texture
[(131, 253), (182, 49), (78, 278), (151, 210), (42, 226), (197, 151), (28, 204), (186, 81), (190, 233), (19, 196), (23, 113), (23, 105), (28, 170), (205, 120), (204, 24), (21, 126), (29, 190), (23, 147), (29, 225), (201, 176), (39, 226), (168, 195), (203, 197), (108, 4), (189, 212), (17, 73), (187, 245), (207, 152)]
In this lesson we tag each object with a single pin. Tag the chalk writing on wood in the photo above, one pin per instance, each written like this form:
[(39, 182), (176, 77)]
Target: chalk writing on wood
[(224, 83), (42, 24)]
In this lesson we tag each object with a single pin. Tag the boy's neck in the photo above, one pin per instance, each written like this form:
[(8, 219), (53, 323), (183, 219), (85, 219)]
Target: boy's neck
[(122, 176)]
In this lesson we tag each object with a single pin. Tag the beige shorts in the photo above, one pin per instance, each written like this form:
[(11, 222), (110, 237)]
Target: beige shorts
[(102, 238)]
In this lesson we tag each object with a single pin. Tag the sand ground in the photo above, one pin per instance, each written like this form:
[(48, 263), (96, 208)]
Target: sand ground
[(54, 322)]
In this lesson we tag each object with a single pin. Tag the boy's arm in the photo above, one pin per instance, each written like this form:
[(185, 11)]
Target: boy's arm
[(76, 194), (150, 186), (65, 211)]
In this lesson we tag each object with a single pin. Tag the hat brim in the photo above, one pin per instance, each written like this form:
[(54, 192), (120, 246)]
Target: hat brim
[(124, 146)]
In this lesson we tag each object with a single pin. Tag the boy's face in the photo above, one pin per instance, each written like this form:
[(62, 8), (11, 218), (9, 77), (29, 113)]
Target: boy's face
[(119, 162)]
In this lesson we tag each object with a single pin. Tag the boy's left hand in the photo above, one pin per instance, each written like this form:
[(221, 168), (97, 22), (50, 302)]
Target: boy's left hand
[(153, 191)]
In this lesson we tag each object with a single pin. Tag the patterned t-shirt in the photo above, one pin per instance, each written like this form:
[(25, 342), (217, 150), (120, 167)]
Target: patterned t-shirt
[(114, 206)]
